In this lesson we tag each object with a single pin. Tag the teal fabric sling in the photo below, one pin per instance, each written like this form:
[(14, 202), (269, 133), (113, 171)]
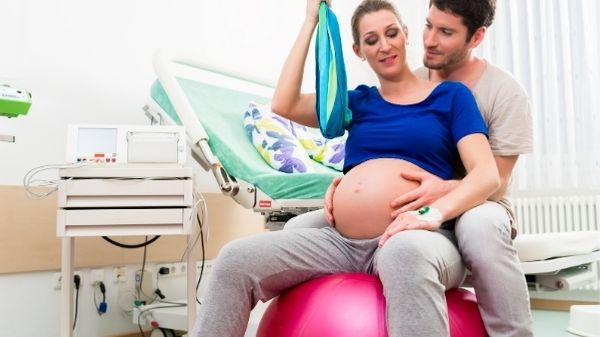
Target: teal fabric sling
[(333, 113)]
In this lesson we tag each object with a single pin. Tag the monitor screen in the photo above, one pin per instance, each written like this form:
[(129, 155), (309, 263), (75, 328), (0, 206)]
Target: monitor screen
[(92, 141)]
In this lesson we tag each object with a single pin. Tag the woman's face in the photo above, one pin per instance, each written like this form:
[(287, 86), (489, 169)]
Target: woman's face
[(382, 42)]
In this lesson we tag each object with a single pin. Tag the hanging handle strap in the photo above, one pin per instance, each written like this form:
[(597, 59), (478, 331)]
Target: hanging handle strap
[(333, 113)]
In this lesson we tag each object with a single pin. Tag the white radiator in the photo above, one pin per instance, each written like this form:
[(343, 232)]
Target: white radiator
[(551, 214), (548, 214)]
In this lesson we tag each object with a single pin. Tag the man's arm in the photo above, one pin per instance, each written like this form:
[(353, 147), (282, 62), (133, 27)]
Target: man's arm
[(432, 188), (505, 166), (481, 181)]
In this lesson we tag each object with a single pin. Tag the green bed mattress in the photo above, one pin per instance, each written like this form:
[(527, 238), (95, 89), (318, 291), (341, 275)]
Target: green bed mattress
[(221, 110)]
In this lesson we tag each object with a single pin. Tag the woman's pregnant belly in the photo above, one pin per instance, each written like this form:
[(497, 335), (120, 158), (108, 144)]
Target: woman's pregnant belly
[(361, 202)]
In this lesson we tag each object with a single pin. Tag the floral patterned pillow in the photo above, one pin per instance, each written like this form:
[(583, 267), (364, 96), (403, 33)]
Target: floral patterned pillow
[(329, 152), (285, 144), (274, 139)]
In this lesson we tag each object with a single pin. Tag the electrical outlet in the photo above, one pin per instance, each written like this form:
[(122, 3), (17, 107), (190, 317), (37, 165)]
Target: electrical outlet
[(96, 276), (57, 280), (208, 265), (180, 268), (118, 275), (175, 269), (168, 267)]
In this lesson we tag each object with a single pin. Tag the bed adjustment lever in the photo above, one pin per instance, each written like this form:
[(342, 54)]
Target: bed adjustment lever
[(228, 186), (202, 153)]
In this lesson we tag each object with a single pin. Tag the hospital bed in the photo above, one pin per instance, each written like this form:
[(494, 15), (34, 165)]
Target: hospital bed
[(218, 140), (210, 101)]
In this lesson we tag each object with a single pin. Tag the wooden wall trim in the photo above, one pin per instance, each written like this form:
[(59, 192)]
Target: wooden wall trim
[(28, 239), (562, 305), (131, 334)]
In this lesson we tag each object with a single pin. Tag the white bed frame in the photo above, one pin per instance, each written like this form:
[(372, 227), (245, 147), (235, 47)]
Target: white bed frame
[(168, 66)]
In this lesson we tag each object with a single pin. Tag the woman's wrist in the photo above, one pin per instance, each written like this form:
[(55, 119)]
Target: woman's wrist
[(429, 214), (311, 22)]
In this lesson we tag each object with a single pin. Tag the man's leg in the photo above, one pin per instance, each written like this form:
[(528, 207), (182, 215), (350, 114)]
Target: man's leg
[(312, 219), (416, 267), (261, 266), (483, 235)]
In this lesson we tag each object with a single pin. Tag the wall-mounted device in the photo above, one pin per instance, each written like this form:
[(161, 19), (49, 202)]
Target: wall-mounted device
[(14, 102), (126, 144)]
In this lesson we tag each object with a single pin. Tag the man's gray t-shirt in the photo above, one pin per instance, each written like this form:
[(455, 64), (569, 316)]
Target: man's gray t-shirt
[(505, 108)]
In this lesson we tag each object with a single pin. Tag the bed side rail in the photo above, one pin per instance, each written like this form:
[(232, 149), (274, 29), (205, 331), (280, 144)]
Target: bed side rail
[(163, 61), (201, 153)]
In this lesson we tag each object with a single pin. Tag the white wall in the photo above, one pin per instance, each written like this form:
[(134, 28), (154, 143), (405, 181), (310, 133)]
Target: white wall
[(90, 62)]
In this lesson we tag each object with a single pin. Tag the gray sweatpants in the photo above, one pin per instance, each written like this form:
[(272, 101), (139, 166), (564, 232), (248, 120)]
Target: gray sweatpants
[(483, 235), (415, 268)]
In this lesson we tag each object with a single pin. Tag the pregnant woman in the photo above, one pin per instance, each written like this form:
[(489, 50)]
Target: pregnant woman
[(404, 124)]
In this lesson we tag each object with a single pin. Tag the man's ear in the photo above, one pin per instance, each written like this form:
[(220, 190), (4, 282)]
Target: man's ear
[(478, 37), (357, 52)]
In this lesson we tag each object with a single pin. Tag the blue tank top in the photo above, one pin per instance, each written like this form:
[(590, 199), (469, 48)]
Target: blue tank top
[(425, 133)]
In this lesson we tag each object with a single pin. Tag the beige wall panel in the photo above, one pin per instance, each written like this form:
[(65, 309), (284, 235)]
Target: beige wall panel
[(28, 239)]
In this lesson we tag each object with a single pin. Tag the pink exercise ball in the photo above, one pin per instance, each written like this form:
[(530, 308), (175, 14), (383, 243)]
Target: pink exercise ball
[(352, 305)]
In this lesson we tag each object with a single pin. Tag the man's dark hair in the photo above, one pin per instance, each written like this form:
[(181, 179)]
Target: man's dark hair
[(474, 13)]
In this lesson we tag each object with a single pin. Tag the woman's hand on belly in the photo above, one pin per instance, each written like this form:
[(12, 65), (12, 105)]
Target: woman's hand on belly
[(329, 200), (406, 221)]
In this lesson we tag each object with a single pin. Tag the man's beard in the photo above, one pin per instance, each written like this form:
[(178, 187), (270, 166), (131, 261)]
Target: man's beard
[(447, 62)]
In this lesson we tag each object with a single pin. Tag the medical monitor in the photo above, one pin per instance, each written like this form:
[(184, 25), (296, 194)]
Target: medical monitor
[(126, 144)]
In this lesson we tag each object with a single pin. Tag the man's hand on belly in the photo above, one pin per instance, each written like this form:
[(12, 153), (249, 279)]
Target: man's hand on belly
[(431, 188)]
